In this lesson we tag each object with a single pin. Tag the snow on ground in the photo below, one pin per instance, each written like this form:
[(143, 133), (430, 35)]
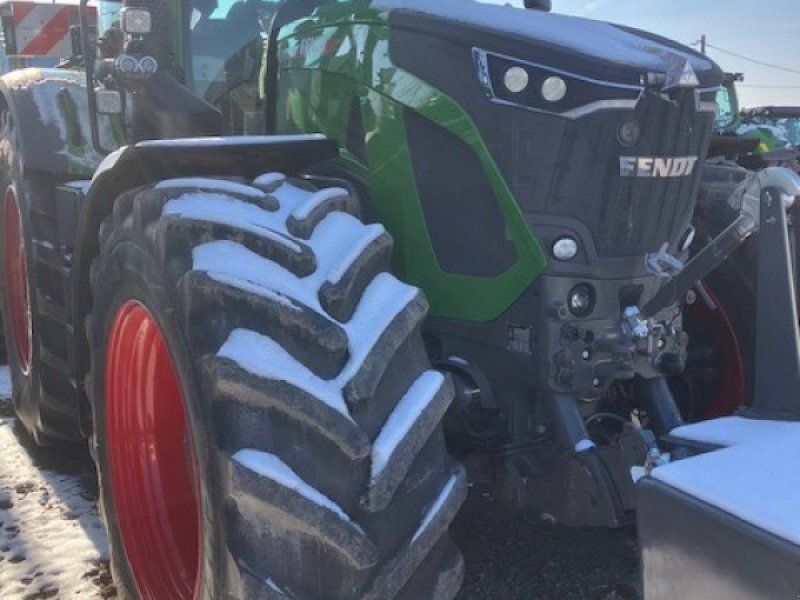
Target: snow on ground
[(754, 478), (52, 543)]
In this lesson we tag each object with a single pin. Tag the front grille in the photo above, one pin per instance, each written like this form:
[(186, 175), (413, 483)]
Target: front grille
[(571, 169)]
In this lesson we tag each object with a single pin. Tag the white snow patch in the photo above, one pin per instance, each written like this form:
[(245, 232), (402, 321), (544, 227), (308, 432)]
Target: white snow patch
[(229, 141), (45, 94), (52, 536), (435, 507), (82, 184), (756, 478), (732, 431), (264, 357), (233, 262), (403, 417), (269, 178), (274, 586), (372, 232), (594, 38), (248, 286), (317, 198), (220, 185), (108, 162), (383, 299), (210, 206), (269, 465), (332, 242), (458, 360)]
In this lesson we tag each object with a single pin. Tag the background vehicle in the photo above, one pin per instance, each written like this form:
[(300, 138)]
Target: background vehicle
[(36, 34), (777, 128), (237, 344)]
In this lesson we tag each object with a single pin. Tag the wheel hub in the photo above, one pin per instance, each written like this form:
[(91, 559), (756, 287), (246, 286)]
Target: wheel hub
[(152, 460)]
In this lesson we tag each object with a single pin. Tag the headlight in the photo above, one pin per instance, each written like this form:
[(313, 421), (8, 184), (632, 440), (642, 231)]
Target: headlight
[(515, 79), (554, 89), (525, 84), (136, 20), (565, 248), (581, 300)]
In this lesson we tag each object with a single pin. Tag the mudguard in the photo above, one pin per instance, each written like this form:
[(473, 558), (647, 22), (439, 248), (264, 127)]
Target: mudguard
[(50, 111)]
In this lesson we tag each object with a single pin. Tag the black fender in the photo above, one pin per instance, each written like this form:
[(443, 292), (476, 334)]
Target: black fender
[(50, 112), (152, 161)]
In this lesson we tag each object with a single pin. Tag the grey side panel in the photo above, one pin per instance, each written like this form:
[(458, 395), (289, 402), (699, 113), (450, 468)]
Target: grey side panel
[(51, 116), (691, 549)]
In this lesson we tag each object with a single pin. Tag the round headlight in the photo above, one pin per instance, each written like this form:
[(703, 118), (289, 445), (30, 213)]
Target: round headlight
[(515, 79), (554, 89), (565, 248), (581, 300)]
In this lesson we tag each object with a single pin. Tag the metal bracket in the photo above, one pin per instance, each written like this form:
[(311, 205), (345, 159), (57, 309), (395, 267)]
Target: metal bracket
[(777, 369), (662, 264), (747, 200)]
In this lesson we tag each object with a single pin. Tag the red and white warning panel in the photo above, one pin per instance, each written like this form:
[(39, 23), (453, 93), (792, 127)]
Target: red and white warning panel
[(34, 29)]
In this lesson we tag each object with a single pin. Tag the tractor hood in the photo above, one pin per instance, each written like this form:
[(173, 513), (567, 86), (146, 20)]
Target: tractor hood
[(582, 46)]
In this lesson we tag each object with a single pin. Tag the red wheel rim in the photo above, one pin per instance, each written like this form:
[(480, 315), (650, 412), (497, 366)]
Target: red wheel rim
[(151, 456), (18, 293), (727, 393)]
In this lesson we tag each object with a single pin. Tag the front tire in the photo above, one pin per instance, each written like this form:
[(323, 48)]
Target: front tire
[(312, 446)]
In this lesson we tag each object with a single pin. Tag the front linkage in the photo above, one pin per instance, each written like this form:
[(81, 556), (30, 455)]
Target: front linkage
[(594, 484)]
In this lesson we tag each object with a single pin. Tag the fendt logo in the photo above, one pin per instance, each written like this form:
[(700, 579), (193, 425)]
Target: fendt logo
[(644, 166)]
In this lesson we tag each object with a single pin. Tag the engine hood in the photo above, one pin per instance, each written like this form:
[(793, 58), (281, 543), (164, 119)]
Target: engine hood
[(591, 48)]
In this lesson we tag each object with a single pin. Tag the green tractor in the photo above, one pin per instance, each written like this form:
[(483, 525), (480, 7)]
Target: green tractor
[(217, 232), (777, 129)]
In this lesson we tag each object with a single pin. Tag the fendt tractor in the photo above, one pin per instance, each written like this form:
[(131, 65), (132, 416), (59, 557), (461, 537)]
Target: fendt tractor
[(301, 269)]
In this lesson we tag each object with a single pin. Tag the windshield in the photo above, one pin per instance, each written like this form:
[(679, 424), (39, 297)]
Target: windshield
[(226, 43)]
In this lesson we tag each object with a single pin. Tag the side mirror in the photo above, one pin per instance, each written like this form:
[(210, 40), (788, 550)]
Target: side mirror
[(545, 5)]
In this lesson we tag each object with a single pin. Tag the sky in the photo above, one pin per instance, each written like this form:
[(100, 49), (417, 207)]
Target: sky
[(765, 30)]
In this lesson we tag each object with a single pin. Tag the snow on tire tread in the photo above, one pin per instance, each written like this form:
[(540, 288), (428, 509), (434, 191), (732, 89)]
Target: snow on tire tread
[(255, 372)]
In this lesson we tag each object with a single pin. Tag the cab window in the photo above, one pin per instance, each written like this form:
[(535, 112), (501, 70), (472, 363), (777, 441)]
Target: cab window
[(227, 47)]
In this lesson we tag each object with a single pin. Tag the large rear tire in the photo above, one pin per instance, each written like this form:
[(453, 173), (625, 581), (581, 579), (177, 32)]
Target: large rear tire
[(311, 460), (35, 320)]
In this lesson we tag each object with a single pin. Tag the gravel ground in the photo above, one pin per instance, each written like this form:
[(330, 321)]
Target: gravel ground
[(52, 544), (516, 557)]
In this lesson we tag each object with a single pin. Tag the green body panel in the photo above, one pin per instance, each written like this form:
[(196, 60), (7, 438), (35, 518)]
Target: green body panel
[(323, 66)]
